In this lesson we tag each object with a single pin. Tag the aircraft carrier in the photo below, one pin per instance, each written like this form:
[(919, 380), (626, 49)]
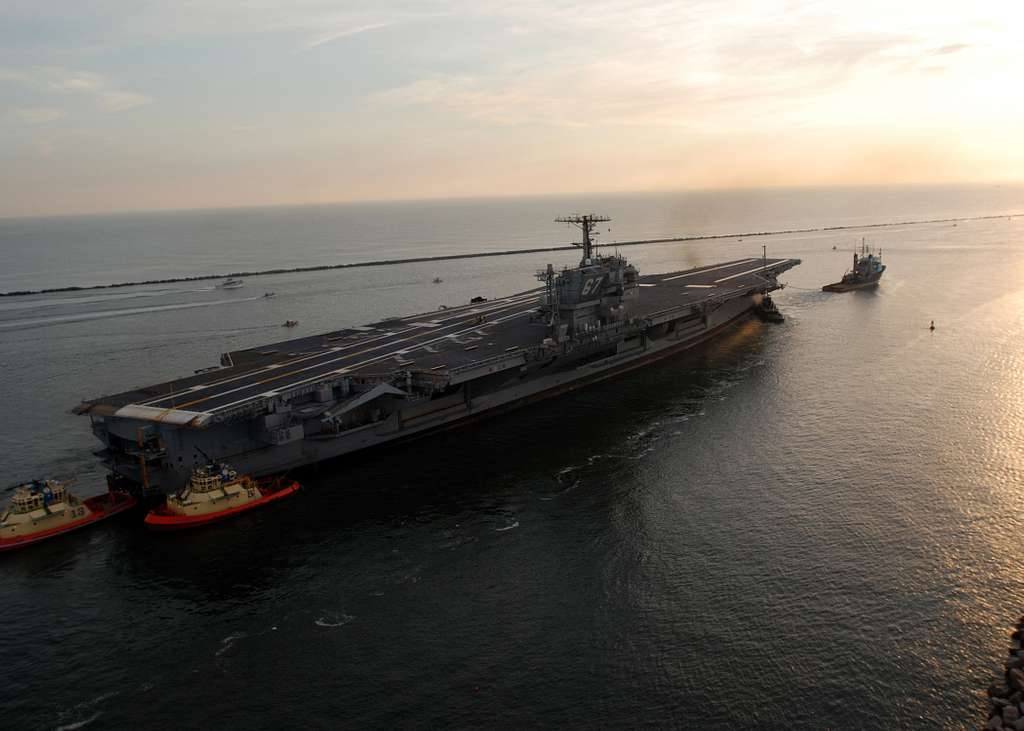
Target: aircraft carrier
[(270, 409)]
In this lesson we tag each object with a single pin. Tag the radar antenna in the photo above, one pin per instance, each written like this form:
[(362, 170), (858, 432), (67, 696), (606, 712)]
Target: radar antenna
[(584, 223)]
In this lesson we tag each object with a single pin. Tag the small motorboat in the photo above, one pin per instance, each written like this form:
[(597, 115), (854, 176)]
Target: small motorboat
[(438, 280), (215, 492), (268, 295), (231, 283), (290, 323), (43, 509)]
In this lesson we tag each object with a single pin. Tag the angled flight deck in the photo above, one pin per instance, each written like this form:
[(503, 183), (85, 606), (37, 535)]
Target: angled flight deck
[(443, 339)]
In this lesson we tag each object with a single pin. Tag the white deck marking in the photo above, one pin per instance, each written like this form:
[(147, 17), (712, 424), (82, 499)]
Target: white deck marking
[(751, 271), (496, 306), (700, 286), (353, 366), (648, 285), (711, 269), (450, 310), (380, 357), (272, 366)]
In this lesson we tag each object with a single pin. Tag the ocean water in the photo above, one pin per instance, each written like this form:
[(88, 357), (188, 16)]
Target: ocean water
[(90, 250), (800, 526)]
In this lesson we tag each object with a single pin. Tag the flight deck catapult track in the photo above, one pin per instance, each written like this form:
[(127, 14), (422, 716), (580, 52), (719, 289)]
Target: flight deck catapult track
[(272, 408)]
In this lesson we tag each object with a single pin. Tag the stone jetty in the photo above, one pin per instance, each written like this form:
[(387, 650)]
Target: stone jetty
[(1006, 696)]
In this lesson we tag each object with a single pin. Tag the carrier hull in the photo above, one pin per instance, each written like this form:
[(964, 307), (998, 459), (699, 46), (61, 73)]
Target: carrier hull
[(317, 398)]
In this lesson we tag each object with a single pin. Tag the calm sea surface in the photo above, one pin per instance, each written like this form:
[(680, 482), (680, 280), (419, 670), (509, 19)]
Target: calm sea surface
[(800, 526)]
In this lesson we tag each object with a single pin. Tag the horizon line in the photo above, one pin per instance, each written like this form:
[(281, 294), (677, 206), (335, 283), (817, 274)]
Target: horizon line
[(508, 196)]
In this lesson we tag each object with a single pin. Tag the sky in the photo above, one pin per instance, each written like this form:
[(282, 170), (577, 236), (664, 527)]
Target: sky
[(110, 105)]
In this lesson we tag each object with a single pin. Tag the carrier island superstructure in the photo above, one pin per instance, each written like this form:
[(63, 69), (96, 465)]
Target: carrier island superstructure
[(269, 409)]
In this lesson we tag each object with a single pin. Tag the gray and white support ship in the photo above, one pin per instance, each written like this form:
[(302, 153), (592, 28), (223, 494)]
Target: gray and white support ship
[(273, 408)]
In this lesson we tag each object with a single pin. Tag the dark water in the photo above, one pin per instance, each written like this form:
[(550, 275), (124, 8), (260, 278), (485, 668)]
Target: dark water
[(804, 526)]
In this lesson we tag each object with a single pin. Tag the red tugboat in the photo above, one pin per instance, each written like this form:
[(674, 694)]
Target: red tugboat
[(215, 492), (45, 508)]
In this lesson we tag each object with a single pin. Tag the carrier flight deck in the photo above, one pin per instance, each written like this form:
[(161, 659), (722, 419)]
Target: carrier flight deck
[(443, 339)]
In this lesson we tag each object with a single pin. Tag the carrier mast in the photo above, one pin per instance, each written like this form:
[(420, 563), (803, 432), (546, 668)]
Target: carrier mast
[(586, 224)]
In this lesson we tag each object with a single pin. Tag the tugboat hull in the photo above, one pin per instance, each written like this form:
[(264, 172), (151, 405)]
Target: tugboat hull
[(162, 519), (99, 508), (848, 286), (770, 315)]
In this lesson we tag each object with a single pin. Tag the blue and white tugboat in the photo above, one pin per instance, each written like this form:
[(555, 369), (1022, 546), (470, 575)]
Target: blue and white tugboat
[(867, 270)]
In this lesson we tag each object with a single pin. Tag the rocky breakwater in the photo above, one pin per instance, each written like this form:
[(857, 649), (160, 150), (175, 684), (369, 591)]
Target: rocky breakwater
[(1006, 696)]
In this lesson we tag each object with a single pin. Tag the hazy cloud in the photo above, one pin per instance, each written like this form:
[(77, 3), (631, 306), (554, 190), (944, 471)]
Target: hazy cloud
[(554, 94), (115, 100), (12, 75), (343, 33), (106, 93), (67, 80), (687, 64), (951, 48), (126, 22), (36, 115)]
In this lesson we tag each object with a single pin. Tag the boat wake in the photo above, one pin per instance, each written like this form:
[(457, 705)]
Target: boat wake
[(103, 314), (84, 706), (89, 299), (80, 724), (228, 642), (507, 527), (571, 486), (334, 619)]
